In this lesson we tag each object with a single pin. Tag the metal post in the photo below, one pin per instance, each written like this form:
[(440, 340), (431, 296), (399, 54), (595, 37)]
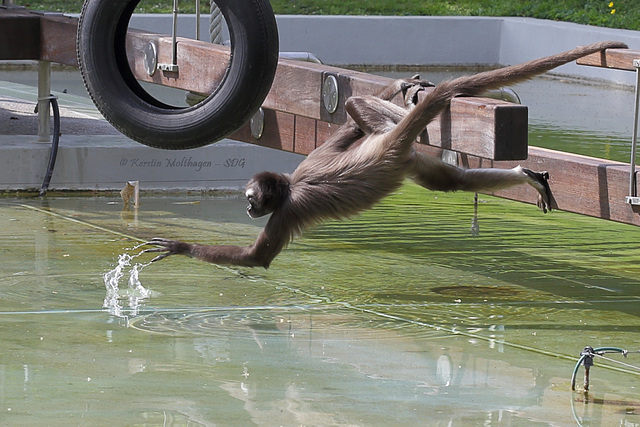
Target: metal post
[(588, 354), (174, 53), (44, 91), (197, 19), (173, 67), (632, 198)]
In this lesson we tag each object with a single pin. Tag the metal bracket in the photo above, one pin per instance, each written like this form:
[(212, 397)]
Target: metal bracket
[(633, 198), (173, 67), (150, 58)]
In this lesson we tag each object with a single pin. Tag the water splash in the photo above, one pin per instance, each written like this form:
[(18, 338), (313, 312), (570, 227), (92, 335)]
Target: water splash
[(125, 302)]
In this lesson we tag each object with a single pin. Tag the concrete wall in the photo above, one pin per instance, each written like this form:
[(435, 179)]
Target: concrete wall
[(427, 40)]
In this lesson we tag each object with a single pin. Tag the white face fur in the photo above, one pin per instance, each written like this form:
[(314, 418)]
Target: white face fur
[(250, 194)]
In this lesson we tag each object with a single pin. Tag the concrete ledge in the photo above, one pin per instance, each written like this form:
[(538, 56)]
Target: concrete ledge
[(107, 162)]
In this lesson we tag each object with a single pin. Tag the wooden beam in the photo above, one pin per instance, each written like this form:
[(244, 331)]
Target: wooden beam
[(619, 59), (481, 127)]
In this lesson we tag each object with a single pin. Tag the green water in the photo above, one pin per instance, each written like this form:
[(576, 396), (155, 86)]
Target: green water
[(397, 317)]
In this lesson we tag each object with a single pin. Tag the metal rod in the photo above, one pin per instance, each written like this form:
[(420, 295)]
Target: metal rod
[(634, 137), (586, 377), (197, 19), (174, 53)]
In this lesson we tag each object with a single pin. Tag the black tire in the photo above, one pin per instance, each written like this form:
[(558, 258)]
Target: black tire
[(130, 109)]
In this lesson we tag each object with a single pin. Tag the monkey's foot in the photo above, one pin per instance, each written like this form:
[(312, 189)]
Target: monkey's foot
[(541, 183)]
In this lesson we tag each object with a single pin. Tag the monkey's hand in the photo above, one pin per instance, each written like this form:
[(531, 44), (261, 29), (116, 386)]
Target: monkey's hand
[(414, 80), (169, 247), (411, 87), (401, 86), (540, 180)]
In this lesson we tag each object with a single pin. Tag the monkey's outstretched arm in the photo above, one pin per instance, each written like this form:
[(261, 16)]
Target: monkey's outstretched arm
[(266, 247)]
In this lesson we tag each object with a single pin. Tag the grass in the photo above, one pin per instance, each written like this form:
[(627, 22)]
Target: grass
[(604, 13)]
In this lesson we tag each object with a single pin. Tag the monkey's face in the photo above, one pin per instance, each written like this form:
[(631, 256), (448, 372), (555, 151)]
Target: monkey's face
[(256, 204), (265, 193)]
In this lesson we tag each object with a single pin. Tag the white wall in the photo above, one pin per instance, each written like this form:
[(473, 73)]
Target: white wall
[(427, 40)]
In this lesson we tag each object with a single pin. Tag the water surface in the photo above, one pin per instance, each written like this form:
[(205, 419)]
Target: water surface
[(397, 317)]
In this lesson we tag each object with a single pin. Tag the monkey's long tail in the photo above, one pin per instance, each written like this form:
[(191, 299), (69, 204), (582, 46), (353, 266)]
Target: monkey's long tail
[(474, 85)]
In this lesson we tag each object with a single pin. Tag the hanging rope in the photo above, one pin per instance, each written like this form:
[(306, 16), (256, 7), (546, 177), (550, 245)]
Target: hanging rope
[(215, 24)]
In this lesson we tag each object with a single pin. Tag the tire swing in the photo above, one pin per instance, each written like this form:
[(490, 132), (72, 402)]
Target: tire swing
[(129, 108)]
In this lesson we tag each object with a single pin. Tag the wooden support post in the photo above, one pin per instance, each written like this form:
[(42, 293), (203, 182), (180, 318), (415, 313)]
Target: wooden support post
[(44, 109)]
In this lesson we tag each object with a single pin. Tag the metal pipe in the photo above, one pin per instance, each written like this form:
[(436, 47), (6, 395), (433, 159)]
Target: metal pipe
[(174, 34), (503, 94), (634, 137), (197, 19), (301, 56)]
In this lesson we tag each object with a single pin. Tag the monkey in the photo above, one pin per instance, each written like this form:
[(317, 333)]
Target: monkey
[(368, 158)]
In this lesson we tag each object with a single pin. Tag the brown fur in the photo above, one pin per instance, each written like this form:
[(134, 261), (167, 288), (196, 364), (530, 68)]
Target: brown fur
[(341, 178)]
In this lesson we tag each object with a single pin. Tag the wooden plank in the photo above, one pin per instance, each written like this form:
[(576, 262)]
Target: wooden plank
[(619, 59), (580, 184), (305, 138), (279, 131)]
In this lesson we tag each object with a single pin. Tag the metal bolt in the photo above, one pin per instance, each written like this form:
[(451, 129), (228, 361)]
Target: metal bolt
[(150, 58), (257, 124), (330, 94)]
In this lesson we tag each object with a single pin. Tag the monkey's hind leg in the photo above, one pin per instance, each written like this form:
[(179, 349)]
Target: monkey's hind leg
[(433, 174)]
